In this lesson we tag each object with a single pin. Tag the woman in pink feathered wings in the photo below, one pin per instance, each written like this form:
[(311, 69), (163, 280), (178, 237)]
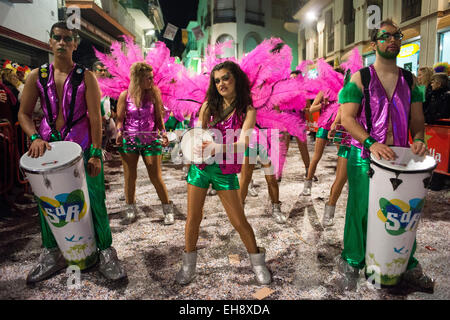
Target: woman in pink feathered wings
[(141, 87), (326, 101)]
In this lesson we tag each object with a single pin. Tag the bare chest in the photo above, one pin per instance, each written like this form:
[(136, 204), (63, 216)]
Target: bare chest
[(389, 83)]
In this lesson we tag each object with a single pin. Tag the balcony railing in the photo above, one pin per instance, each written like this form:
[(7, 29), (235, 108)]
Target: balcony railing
[(350, 33), (330, 42), (224, 15), (411, 9), (254, 18)]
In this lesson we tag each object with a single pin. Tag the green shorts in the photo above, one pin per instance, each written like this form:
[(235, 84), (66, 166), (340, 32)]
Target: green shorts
[(322, 133), (344, 151), (260, 151), (154, 149), (212, 174)]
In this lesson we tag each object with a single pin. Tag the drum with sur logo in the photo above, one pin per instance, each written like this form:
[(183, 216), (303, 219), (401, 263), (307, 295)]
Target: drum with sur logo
[(59, 183), (397, 193)]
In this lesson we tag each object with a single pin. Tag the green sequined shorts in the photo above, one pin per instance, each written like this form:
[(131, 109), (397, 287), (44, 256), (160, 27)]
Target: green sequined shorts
[(322, 133), (260, 151), (153, 149), (212, 174)]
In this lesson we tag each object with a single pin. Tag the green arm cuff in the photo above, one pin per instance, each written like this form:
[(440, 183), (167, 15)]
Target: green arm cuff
[(95, 152), (350, 93), (418, 94), (369, 142)]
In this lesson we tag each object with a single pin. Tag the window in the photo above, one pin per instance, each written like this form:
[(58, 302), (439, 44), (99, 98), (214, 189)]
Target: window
[(228, 52), (349, 21), (254, 12), (251, 41), (224, 11), (444, 46), (411, 9), (329, 28), (303, 40)]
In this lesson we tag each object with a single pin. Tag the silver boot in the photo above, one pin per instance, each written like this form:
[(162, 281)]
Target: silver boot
[(50, 261), (417, 278), (258, 261), (277, 214), (168, 213), (187, 271), (307, 188), (110, 266), (251, 190), (349, 275), (328, 216), (130, 213)]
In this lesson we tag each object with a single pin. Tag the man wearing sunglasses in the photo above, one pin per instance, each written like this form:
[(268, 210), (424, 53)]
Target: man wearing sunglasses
[(70, 101), (395, 104)]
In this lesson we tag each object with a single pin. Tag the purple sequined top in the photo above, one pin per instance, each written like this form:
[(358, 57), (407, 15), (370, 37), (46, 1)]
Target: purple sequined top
[(140, 122), (235, 124), (396, 110), (81, 131)]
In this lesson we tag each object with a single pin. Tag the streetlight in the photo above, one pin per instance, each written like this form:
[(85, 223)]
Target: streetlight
[(311, 16)]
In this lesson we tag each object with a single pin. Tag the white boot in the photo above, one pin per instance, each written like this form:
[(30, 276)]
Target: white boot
[(251, 190), (328, 215), (130, 213), (307, 188), (187, 271), (258, 261), (168, 213), (277, 214)]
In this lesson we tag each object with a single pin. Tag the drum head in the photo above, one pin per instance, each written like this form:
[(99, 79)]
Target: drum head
[(191, 140), (406, 161), (62, 154), (171, 136)]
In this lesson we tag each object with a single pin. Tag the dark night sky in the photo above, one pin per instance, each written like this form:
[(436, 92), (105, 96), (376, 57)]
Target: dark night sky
[(178, 13)]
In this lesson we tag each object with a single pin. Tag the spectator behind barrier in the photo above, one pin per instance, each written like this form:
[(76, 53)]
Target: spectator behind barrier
[(437, 103)]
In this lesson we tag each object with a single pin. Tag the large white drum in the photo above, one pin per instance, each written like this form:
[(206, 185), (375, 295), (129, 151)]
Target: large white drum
[(59, 183), (397, 193), (191, 142)]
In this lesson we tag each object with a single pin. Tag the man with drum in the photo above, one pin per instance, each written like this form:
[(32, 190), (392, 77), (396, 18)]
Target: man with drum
[(378, 117), (66, 119)]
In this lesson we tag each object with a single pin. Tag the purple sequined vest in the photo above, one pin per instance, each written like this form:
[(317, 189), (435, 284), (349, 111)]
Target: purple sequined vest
[(140, 121), (398, 109), (80, 132), (235, 124)]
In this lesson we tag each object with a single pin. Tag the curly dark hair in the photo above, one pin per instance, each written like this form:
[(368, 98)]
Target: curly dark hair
[(215, 100)]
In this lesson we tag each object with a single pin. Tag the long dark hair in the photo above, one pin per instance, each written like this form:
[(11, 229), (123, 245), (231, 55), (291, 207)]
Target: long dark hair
[(215, 100)]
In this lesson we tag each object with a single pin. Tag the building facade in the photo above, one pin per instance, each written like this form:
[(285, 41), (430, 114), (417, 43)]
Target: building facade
[(25, 27), (246, 22), (329, 29)]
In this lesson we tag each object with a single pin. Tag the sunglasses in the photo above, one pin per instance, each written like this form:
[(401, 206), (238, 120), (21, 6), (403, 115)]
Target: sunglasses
[(225, 78), (387, 36), (66, 39), (102, 70)]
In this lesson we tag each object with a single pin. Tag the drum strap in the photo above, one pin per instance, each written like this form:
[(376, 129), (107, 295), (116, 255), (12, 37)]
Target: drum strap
[(365, 79), (76, 79), (226, 113)]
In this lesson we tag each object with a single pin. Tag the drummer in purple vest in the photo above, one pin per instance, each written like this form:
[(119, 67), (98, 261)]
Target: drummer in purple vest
[(395, 103), (70, 100)]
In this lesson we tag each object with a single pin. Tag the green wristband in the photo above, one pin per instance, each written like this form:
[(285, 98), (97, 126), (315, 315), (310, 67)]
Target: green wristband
[(369, 142), (95, 152), (421, 140), (35, 136)]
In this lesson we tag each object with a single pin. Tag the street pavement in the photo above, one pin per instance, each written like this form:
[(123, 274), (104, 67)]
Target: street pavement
[(300, 254)]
